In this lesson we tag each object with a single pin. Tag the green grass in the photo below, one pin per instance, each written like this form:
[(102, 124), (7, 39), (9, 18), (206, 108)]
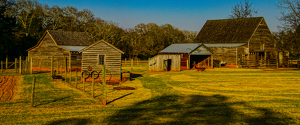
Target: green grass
[(216, 96)]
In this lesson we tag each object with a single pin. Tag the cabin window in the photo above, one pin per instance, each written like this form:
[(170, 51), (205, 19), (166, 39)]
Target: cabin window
[(101, 59)]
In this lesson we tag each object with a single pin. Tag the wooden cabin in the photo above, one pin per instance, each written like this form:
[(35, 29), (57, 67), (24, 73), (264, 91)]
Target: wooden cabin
[(59, 45), (178, 57), (253, 32), (102, 53)]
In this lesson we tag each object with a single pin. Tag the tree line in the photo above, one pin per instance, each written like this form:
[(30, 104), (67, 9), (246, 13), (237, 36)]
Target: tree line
[(23, 22)]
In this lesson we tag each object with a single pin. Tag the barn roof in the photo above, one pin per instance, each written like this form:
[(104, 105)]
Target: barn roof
[(224, 44), (181, 48), (228, 30), (69, 38)]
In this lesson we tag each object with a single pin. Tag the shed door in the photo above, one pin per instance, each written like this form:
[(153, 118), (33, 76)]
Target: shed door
[(169, 65), (165, 64)]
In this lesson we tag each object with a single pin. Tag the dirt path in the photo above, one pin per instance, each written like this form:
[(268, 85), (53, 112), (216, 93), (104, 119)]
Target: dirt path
[(7, 87)]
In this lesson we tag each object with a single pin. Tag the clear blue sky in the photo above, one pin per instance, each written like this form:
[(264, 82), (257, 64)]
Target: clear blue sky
[(183, 14)]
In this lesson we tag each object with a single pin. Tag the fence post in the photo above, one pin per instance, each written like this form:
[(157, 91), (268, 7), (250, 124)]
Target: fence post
[(51, 65), (32, 95), (57, 69), (83, 81), (277, 64), (93, 82), (16, 60), (1, 66), (131, 64), (187, 64), (61, 67), (76, 78), (268, 63), (103, 86), (297, 64), (208, 62), (40, 65), (20, 67), (30, 65), (212, 62), (6, 62), (25, 69), (66, 63), (137, 61), (70, 67), (125, 61)]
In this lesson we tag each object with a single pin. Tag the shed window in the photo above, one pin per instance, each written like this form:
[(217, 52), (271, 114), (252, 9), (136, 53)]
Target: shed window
[(101, 59)]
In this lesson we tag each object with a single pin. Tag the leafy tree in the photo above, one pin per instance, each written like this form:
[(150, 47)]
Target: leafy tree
[(289, 36), (290, 14), (189, 36), (7, 30), (242, 10)]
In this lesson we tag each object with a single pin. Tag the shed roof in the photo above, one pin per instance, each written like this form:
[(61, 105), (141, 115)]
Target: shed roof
[(103, 42), (224, 44), (72, 41), (228, 30), (181, 48)]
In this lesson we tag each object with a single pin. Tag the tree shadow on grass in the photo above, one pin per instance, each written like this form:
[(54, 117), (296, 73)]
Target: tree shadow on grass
[(119, 98), (70, 121), (52, 101), (195, 109), (133, 76)]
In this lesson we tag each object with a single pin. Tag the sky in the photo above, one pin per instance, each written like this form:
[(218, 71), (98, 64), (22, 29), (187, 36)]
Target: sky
[(183, 14)]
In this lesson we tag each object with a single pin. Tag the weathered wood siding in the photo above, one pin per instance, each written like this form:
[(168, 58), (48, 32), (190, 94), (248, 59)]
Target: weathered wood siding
[(262, 36), (47, 49), (159, 62), (183, 60), (112, 59), (228, 54)]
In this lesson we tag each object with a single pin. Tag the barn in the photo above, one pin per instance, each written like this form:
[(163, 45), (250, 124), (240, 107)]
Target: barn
[(102, 53), (246, 38), (178, 57), (59, 45)]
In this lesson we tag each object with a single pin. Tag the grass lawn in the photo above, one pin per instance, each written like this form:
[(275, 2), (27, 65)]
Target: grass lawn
[(216, 96)]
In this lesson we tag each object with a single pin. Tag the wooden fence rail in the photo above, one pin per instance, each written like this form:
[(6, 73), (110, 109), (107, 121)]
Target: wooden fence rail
[(258, 63)]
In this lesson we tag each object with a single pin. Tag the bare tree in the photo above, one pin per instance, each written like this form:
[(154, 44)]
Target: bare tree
[(242, 10), (290, 14)]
